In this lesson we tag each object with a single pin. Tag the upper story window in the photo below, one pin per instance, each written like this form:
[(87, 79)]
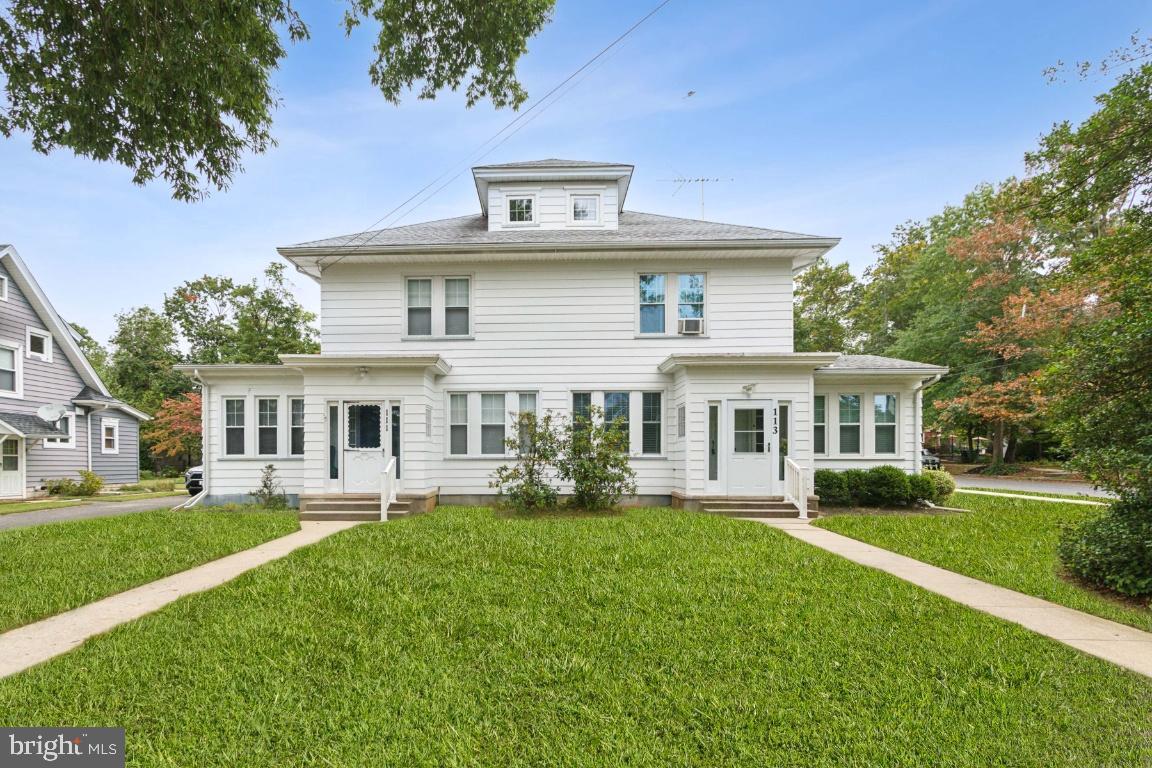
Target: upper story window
[(3, 288), (522, 210), (39, 344), (11, 380), (686, 316), (586, 209), (439, 306)]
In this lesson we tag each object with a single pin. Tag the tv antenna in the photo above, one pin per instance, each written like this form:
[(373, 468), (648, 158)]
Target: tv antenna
[(684, 181)]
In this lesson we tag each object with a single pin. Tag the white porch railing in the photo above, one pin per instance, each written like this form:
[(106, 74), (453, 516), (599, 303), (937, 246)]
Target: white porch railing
[(387, 488), (797, 484)]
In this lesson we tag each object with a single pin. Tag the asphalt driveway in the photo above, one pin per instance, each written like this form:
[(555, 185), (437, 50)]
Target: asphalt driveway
[(1036, 486), (86, 510)]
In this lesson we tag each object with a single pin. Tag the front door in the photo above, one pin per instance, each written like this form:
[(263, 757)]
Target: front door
[(751, 440), (11, 476), (365, 446)]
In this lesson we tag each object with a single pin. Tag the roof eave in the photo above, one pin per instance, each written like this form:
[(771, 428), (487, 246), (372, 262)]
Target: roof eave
[(806, 360)]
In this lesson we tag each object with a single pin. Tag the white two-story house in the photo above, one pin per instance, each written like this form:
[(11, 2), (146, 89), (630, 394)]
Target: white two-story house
[(555, 298)]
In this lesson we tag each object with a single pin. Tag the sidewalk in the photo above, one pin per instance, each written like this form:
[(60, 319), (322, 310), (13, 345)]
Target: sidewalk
[(34, 643), (1125, 646)]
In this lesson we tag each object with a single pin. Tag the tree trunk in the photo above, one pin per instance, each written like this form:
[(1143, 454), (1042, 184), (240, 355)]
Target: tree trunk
[(1013, 444), (998, 442)]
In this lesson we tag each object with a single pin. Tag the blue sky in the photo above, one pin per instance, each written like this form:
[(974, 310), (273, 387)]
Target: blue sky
[(829, 118)]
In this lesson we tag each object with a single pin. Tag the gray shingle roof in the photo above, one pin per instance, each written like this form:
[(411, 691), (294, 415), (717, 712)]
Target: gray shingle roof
[(634, 227), (32, 426), (875, 363), (90, 394), (554, 162)]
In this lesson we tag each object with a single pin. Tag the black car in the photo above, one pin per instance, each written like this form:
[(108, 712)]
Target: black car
[(194, 480)]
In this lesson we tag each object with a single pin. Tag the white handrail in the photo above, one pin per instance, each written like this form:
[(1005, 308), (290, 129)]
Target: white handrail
[(796, 486), (387, 488)]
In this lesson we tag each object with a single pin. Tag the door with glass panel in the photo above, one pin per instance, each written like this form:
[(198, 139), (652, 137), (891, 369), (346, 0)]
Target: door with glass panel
[(751, 444), (367, 445), (11, 478)]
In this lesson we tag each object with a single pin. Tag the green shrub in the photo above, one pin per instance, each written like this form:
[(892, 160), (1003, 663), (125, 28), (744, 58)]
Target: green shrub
[(528, 486), (595, 461), (943, 483), (921, 488), (90, 483), (855, 482), (1113, 550), (60, 486), (885, 486), (832, 488), (270, 494)]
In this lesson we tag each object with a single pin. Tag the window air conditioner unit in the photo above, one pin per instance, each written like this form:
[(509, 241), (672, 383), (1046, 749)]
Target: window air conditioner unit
[(691, 326)]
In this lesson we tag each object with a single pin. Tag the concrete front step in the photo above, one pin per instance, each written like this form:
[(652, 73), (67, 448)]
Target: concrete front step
[(339, 516), (348, 507), (788, 511)]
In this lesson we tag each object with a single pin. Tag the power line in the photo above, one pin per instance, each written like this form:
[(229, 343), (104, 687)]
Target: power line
[(520, 117)]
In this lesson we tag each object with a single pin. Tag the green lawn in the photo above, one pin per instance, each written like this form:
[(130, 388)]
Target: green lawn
[(55, 567), (655, 638), (1010, 542)]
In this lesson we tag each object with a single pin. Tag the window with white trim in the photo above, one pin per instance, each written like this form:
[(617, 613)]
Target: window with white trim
[(11, 380), (652, 424), (67, 425), (819, 424), (586, 209), (419, 307), (458, 424), (38, 344), (3, 288), (681, 421), (850, 424), (438, 306), (639, 415), (661, 315), (109, 435), (493, 423), (457, 301), (617, 410), (526, 404), (522, 209), (234, 426), (884, 423), (10, 451), (480, 423), (296, 426), (267, 426)]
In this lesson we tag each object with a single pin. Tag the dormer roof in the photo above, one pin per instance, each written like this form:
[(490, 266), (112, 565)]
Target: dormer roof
[(551, 169)]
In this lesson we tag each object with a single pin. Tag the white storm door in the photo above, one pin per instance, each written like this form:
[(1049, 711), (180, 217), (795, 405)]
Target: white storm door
[(365, 447), (749, 447), (11, 477)]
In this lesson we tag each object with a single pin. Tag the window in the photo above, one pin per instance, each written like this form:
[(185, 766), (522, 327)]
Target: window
[(691, 297), (581, 407), (11, 455), (520, 210), (713, 441), (296, 416), (819, 421), (39, 344), (364, 426), (651, 425), (586, 209), (849, 423), (652, 304), (110, 435), (267, 425), (234, 426), (333, 442), (885, 423), (458, 419), (3, 288), (616, 410), (492, 423), (748, 430), (420, 307), (527, 404), (681, 421), (456, 301), (784, 420), (67, 425), (427, 421), (9, 370)]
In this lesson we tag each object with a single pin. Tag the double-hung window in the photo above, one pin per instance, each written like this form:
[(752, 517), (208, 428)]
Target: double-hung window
[(691, 305), (526, 405), (420, 306), (267, 425), (586, 209), (458, 424), (681, 313), (819, 424), (616, 410), (109, 435), (9, 370), (652, 307), (296, 425), (456, 306), (849, 424), (581, 408), (521, 209), (234, 426), (652, 426), (493, 422), (438, 306), (884, 416)]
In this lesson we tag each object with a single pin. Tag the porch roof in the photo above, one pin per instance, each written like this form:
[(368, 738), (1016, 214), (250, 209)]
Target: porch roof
[(434, 363), (809, 360), (27, 425)]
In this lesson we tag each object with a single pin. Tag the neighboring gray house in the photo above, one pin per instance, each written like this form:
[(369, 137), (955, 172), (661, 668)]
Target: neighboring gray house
[(41, 364)]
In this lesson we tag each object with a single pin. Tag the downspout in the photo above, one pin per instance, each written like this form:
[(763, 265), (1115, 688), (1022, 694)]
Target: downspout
[(917, 421), (205, 443), (88, 426)]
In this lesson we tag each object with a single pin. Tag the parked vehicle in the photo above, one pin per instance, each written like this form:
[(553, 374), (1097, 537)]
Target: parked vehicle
[(194, 480), (929, 460)]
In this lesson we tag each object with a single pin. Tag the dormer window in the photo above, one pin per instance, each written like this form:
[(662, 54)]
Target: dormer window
[(521, 210), (586, 209)]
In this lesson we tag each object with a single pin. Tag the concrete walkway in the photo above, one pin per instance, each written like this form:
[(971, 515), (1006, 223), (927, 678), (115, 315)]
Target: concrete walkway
[(34, 643), (86, 510), (1125, 646)]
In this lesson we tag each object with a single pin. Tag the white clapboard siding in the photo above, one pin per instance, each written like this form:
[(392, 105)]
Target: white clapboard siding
[(551, 202)]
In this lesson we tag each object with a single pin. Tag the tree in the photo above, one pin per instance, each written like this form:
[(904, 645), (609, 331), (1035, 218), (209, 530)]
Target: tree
[(93, 350), (825, 298), (175, 430), (182, 91), (143, 354), (223, 321)]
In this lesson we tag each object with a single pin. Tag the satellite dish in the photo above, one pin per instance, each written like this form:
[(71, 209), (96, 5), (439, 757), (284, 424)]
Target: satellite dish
[(52, 413)]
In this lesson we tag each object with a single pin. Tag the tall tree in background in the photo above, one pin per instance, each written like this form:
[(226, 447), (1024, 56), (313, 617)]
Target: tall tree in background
[(826, 297), (140, 365), (175, 431), (182, 91), (93, 350)]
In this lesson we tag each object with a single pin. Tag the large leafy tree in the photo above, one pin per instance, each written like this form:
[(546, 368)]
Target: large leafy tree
[(143, 353), (826, 296), (175, 432), (182, 91)]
